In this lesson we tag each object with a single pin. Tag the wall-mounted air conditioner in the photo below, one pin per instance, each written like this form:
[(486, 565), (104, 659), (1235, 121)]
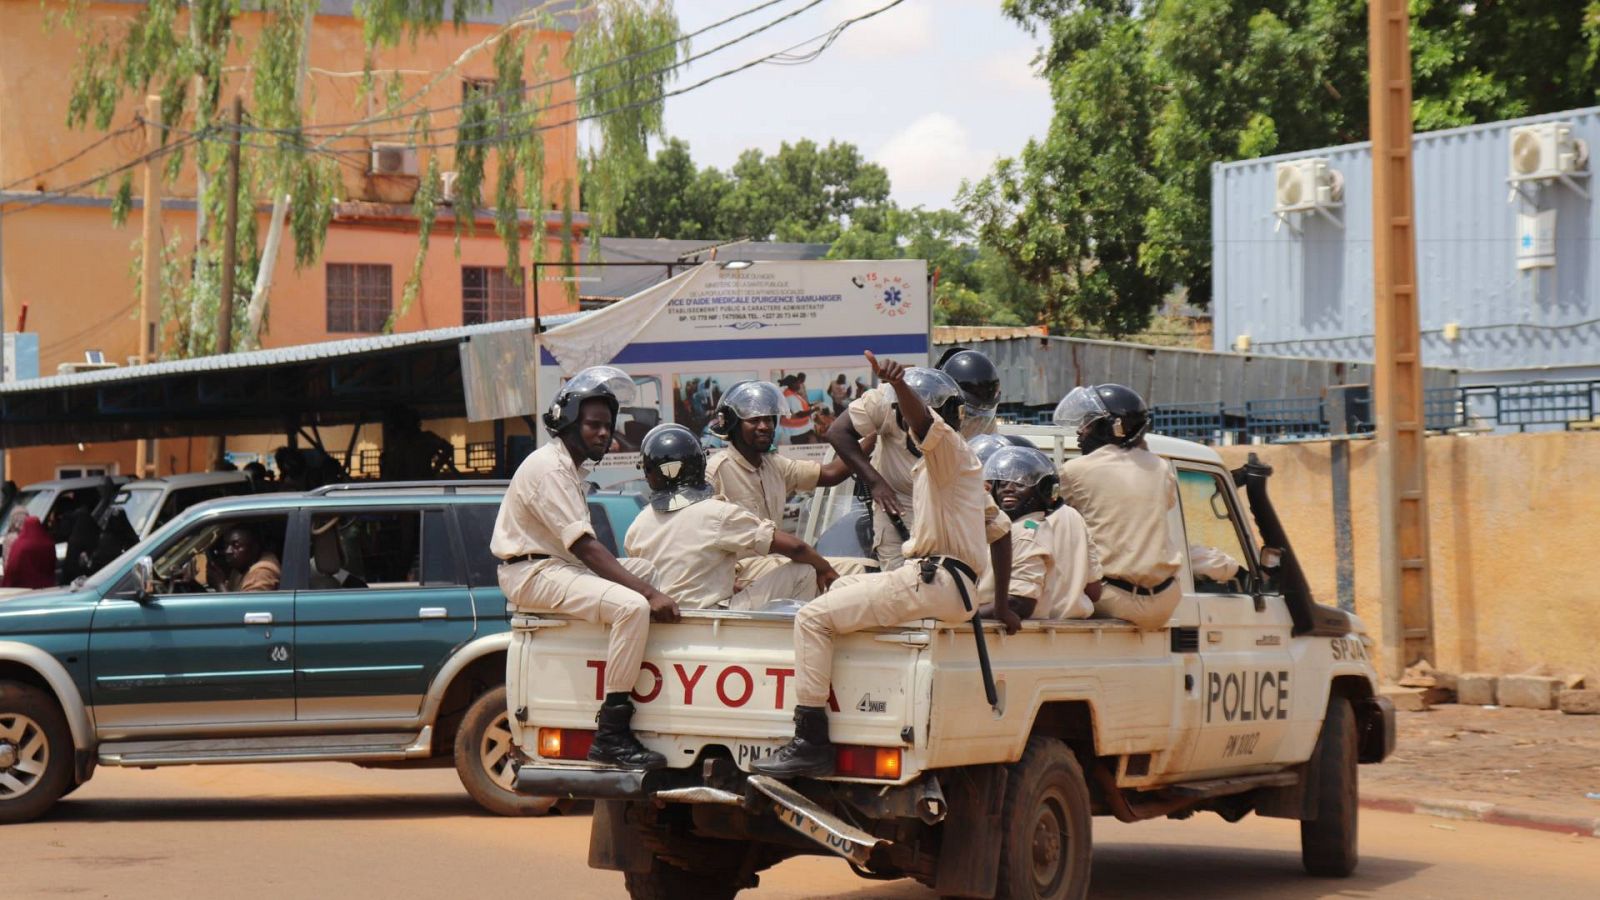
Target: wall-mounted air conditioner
[(394, 159), (1307, 186)]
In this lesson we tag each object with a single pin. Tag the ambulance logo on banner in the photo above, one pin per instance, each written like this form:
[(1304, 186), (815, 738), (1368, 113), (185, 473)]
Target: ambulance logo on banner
[(893, 299)]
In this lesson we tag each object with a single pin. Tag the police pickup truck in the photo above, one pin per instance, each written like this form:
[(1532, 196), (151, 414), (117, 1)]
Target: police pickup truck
[(1253, 699)]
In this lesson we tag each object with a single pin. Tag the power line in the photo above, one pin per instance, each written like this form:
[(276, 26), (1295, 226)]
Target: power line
[(110, 135), (43, 197)]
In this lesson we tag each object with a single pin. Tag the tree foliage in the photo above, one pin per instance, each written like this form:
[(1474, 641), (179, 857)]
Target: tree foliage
[(620, 59), (1110, 210)]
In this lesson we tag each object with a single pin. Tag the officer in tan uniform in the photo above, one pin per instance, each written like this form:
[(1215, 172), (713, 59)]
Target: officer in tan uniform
[(551, 562), (1055, 572), (1125, 493), (954, 528), (888, 474), (694, 539)]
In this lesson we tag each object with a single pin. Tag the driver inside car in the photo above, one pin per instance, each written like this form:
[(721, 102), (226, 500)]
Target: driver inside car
[(246, 565)]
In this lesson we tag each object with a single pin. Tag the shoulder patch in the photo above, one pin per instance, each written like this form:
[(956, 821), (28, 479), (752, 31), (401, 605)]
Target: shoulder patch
[(1031, 525)]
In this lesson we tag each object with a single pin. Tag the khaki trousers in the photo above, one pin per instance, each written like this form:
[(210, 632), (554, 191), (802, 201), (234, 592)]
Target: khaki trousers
[(790, 581), (555, 586), (1148, 611), (748, 571), (886, 540), (866, 601)]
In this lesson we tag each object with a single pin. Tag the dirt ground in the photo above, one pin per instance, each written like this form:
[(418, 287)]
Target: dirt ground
[(1540, 760)]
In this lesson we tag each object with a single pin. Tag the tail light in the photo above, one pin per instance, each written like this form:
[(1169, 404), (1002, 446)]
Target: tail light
[(567, 743), (867, 762)]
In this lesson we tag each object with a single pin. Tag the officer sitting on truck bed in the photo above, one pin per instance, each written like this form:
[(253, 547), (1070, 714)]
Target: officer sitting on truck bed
[(1055, 571), (550, 560), (888, 474), (748, 474), (955, 519), (694, 539), (1125, 493)]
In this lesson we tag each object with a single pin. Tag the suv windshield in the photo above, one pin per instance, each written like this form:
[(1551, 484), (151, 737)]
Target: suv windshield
[(140, 505)]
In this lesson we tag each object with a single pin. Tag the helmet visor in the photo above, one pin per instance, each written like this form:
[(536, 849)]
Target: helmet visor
[(755, 400), (975, 422), (936, 388), (603, 379), (1018, 465), (985, 445), (1079, 407)]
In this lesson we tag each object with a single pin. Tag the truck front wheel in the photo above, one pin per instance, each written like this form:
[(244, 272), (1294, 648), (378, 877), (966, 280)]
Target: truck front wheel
[(35, 752), (486, 759), (666, 881), (1328, 842), (1045, 854)]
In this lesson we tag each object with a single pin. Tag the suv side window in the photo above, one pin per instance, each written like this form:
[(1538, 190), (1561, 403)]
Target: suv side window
[(380, 549), (198, 559), (1216, 552), (477, 526)]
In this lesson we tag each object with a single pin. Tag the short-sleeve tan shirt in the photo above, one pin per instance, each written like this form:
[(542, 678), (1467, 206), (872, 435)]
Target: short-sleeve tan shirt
[(694, 549), (762, 489), (873, 414), (955, 516), (1124, 495), (1052, 561), (545, 510)]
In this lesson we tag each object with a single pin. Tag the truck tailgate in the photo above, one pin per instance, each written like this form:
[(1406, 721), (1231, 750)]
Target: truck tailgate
[(716, 678)]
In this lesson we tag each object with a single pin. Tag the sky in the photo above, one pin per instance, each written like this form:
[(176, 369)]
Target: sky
[(933, 90)]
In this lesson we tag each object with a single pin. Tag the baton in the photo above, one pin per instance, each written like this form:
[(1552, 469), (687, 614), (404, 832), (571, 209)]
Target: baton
[(989, 691)]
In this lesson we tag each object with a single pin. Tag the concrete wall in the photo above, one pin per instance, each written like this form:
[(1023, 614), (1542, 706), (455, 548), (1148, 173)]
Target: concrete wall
[(1513, 520)]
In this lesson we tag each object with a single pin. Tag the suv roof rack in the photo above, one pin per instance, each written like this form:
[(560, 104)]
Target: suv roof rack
[(443, 487)]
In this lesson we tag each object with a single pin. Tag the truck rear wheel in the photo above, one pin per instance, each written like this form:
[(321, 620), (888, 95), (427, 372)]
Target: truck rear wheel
[(1045, 854), (666, 881), (35, 752), (1328, 842), (486, 759)]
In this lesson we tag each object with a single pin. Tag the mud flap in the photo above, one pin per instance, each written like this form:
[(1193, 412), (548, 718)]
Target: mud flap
[(976, 796), (613, 844), (802, 814)]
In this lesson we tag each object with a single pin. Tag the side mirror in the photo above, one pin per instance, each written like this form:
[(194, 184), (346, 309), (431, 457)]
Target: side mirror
[(144, 578)]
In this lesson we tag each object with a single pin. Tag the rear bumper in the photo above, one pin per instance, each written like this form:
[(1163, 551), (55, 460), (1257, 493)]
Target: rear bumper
[(1375, 729)]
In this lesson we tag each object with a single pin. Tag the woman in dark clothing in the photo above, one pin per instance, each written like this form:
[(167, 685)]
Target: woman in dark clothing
[(31, 561), (115, 539), (81, 541)]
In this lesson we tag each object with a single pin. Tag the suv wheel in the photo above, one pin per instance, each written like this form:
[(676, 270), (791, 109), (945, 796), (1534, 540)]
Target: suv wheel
[(1328, 842), (35, 752), (487, 761)]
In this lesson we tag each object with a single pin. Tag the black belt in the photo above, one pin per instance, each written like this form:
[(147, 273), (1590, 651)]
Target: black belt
[(1132, 588), (930, 566), (526, 557)]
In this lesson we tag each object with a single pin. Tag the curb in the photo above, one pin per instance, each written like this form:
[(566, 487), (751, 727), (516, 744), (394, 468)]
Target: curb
[(1488, 813)]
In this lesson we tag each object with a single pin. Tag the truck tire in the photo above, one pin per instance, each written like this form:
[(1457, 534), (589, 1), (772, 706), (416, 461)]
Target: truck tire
[(486, 760), (666, 881), (35, 752), (1328, 842), (1047, 843)]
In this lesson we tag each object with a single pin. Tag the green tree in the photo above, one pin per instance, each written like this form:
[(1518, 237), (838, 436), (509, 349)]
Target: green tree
[(671, 198), (621, 57), (804, 192)]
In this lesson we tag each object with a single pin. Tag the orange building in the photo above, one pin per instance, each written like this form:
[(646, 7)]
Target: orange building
[(62, 258)]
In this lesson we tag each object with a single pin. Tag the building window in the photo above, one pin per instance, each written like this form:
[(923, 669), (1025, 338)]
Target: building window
[(488, 295), (360, 297)]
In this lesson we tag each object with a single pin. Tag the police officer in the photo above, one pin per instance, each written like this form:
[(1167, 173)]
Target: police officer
[(954, 528), (1055, 572), (1125, 493), (551, 562), (985, 445), (888, 474), (694, 539), (747, 472)]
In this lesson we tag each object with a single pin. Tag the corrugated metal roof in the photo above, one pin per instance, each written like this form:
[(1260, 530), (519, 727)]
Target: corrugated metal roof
[(1310, 294)]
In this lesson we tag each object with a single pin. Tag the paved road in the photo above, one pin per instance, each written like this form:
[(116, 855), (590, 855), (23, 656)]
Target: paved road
[(324, 830)]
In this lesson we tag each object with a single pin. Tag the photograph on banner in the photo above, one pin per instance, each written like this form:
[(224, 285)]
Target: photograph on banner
[(814, 397), (695, 397)]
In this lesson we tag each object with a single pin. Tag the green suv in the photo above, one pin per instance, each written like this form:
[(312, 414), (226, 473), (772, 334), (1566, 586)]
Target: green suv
[(378, 637)]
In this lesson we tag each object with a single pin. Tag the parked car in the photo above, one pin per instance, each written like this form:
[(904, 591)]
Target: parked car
[(55, 501), (152, 502), (383, 643)]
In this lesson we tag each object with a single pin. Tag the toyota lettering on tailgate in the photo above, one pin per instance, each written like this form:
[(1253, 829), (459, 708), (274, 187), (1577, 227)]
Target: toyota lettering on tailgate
[(698, 684)]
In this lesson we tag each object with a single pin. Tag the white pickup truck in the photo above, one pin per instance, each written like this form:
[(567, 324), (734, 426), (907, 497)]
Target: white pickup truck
[(1253, 699)]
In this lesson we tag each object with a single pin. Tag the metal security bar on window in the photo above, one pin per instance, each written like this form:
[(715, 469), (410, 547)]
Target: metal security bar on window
[(360, 297), (489, 295), (480, 456), (1542, 405)]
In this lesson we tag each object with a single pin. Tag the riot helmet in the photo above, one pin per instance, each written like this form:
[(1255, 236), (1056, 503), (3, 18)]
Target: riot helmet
[(1026, 473), (1017, 440), (607, 383), (984, 445), (937, 389), (1103, 414), (674, 464), (747, 400), (978, 378)]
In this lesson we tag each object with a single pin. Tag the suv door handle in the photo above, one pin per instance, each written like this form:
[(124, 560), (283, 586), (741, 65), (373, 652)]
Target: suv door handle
[(258, 618), (433, 612)]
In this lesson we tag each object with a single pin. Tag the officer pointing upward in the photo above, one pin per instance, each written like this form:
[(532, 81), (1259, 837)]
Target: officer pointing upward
[(550, 561), (956, 520)]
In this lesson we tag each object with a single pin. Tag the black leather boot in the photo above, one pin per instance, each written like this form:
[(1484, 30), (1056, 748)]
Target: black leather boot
[(809, 754), (614, 743)]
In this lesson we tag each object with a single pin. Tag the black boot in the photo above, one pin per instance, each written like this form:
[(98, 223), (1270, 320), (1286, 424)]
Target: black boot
[(614, 743), (808, 754)]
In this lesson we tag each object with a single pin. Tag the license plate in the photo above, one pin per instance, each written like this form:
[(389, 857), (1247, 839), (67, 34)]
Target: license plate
[(750, 754)]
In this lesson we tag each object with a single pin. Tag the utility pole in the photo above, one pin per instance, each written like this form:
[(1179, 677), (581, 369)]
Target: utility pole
[(1397, 366), (230, 241), (150, 264)]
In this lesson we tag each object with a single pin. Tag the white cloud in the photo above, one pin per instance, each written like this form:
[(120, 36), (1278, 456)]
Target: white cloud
[(905, 29), (928, 159), (1012, 70)]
